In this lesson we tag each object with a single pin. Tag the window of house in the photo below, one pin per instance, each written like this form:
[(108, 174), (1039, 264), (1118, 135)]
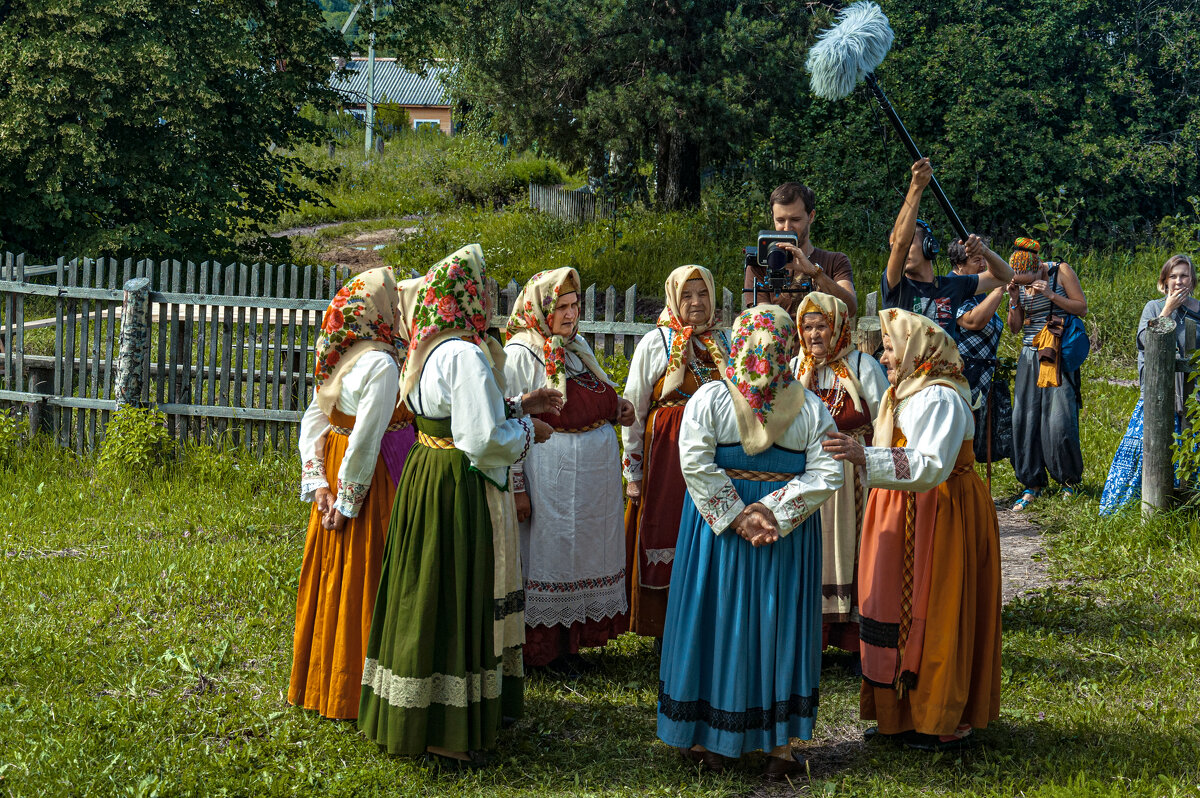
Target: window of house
[(432, 124)]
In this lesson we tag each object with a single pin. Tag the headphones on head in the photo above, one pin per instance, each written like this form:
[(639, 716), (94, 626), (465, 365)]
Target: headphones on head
[(929, 245)]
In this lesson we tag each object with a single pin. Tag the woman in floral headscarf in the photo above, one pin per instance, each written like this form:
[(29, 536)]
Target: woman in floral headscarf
[(353, 440), (669, 364), (568, 492), (741, 653), (851, 385), (929, 567), (442, 668)]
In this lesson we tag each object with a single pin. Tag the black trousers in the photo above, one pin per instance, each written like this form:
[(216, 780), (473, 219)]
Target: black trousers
[(1045, 427)]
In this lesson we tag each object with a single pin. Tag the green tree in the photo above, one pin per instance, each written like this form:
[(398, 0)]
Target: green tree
[(135, 126)]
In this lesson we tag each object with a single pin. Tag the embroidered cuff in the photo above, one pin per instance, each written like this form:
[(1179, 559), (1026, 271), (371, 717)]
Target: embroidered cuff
[(350, 497), (789, 513), (513, 407), (312, 479), (721, 508), (631, 467), (517, 479)]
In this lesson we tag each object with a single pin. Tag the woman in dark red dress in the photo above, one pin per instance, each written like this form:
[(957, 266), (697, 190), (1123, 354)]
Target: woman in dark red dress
[(682, 353)]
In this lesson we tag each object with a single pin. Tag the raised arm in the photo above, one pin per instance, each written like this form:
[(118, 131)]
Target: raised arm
[(906, 221), (998, 273), (978, 317)]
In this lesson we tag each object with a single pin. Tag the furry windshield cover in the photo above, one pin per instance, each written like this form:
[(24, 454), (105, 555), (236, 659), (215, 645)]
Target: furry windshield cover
[(849, 51)]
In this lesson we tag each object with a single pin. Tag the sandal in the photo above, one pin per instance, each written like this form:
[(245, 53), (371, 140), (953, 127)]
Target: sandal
[(1069, 491), (1027, 496)]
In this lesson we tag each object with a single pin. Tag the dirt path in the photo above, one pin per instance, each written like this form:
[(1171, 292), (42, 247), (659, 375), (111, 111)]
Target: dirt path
[(1022, 557)]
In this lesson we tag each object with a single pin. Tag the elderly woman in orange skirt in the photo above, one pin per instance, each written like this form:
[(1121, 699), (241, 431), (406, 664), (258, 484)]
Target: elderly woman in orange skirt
[(669, 365), (929, 568), (353, 441)]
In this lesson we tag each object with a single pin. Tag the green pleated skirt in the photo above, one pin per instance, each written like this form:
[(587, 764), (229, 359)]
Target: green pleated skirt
[(432, 676)]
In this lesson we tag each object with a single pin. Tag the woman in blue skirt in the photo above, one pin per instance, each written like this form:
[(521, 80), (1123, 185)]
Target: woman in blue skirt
[(741, 651)]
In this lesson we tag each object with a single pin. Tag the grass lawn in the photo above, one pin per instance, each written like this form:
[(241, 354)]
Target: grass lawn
[(147, 647)]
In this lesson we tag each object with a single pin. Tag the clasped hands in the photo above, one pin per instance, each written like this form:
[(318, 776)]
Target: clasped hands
[(757, 525), (331, 518)]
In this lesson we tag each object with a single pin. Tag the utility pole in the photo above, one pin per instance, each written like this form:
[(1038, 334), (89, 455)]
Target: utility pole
[(369, 141), (369, 144)]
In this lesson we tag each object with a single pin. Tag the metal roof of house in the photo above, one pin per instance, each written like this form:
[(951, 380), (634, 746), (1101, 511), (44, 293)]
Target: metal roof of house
[(393, 83)]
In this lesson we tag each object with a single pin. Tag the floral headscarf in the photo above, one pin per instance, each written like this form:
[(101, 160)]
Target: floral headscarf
[(926, 356), (529, 324), (362, 317), (671, 317), (410, 295), (837, 316), (766, 396), (452, 306)]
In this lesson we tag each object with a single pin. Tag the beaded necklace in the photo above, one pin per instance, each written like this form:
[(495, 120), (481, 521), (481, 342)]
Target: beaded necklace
[(588, 381)]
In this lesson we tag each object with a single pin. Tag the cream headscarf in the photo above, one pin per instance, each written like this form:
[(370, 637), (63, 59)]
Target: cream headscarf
[(925, 355), (837, 316), (450, 304), (671, 317), (362, 317), (529, 324), (766, 396)]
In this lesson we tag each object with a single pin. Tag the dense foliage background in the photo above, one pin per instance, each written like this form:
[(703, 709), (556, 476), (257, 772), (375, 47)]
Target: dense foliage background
[(1011, 99), (132, 126)]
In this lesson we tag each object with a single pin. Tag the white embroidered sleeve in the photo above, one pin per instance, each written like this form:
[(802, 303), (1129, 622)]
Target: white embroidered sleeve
[(375, 385), (935, 423), (710, 488), (647, 366), (477, 420), (313, 428), (522, 373), (804, 494)]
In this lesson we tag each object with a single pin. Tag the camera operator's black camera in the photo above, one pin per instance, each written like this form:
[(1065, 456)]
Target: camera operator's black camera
[(774, 259)]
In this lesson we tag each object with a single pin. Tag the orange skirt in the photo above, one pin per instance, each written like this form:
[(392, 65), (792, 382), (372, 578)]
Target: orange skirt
[(954, 651), (338, 583)]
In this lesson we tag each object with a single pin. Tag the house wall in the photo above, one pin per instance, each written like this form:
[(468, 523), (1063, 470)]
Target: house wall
[(442, 115)]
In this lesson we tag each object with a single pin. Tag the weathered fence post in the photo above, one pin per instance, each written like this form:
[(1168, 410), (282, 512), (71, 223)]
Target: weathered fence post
[(135, 343), (1158, 404), (41, 380), (867, 334)]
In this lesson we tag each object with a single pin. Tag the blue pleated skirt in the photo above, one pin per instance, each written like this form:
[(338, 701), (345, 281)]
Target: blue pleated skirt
[(741, 653)]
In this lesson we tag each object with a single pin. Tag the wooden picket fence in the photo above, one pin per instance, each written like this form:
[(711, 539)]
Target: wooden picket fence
[(574, 206), (231, 354)]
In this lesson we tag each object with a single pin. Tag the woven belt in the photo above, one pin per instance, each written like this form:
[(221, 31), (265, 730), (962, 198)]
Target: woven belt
[(588, 428), (758, 476), (671, 403), (860, 432), (435, 443), (399, 425), (962, 469)]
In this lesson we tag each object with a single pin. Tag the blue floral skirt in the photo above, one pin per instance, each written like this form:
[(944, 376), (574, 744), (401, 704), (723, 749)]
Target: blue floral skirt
[(1124, 483)]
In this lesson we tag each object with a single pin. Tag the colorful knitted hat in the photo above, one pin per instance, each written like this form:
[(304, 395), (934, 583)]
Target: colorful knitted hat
[(1025, 258)]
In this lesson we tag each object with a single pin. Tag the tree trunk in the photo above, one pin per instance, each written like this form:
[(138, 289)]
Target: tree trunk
[(678, 166)]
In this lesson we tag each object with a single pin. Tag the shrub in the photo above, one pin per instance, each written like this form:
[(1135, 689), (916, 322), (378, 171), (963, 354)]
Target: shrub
[(526, 169), (135, 441)]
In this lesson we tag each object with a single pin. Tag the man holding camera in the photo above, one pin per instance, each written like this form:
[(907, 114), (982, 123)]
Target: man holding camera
[(910, 283), (809, 269)]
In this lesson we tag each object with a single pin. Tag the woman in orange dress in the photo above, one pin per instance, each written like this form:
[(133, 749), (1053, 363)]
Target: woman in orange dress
[(353, 442), (929, 566), (669, 364)]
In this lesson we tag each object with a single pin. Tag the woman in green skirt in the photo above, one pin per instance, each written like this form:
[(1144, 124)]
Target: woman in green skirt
[(443, 662)]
